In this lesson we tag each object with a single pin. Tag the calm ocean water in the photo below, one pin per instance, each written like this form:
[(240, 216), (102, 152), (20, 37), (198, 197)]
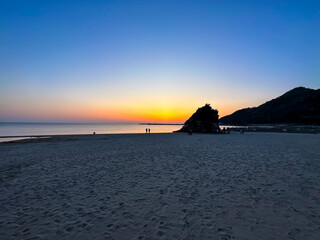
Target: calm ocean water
[(28, 129)]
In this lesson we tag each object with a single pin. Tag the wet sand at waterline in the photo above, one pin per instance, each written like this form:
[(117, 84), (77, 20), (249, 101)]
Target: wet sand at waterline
[(161, 186)]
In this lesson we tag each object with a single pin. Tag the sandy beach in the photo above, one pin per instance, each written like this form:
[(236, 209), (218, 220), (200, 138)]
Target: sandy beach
[(161, 186)]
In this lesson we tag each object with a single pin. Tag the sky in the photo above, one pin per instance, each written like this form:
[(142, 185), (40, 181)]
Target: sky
[(151, 61)]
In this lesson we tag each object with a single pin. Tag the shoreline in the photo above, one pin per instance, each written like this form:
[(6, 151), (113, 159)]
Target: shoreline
[(103, 136), (68, 137), (6, 134), (285, 128)]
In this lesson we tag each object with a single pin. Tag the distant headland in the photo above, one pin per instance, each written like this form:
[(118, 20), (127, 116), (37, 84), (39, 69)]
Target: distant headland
[(298, 106), (287, 113)]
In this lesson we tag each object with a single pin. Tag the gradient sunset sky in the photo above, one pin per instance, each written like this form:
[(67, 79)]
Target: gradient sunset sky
[(141, 61)]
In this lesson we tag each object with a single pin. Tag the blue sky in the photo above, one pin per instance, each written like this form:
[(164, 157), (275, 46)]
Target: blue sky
[(101, 60)]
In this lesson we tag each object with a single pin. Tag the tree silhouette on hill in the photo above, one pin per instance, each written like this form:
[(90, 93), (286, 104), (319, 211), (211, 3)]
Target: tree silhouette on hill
[(204, 120)]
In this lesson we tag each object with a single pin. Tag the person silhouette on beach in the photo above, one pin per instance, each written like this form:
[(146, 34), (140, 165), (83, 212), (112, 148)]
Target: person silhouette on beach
[(149, 130), (146, 130)]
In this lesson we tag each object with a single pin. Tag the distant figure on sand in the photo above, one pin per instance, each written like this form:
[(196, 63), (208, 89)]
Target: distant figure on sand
[(149, 130), (94, 133), (146, 130)]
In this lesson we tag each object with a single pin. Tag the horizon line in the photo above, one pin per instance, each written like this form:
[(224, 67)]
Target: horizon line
[(62, 122)]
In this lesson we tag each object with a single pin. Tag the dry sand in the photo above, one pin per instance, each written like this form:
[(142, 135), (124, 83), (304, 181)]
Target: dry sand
[(162, 186)]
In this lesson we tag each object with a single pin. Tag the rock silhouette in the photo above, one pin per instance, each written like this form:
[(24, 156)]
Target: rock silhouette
[(300, 105), (204, 120)]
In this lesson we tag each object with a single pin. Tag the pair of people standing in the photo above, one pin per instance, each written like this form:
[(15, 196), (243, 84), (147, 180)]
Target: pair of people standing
[(147, 130)]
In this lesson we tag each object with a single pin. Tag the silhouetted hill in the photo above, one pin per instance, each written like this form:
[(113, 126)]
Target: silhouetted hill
[(300, 105), (204, 120)]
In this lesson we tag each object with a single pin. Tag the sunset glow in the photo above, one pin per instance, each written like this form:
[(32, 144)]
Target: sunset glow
[(65, 62)]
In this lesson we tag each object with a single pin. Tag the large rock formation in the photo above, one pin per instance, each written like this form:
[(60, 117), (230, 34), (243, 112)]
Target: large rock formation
[(204, 120), (300, 105)]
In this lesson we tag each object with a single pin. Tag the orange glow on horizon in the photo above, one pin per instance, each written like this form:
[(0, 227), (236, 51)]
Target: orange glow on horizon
[(142, 114), (99, 111), (152, 113), (159, 114)]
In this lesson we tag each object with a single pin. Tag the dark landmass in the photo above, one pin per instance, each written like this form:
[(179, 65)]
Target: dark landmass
[(204, 120), (300, 106)]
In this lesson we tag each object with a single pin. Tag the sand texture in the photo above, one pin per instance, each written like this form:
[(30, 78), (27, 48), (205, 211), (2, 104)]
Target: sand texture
[(162, 186)]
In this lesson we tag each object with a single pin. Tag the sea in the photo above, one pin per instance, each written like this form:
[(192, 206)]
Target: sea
[(10, 131), (38, 129)]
